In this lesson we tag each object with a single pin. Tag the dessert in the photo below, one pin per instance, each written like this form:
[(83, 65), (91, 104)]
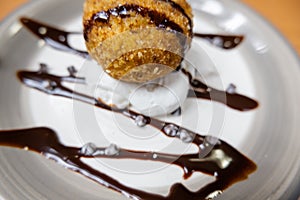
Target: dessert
[(137, 41), (214, 157)]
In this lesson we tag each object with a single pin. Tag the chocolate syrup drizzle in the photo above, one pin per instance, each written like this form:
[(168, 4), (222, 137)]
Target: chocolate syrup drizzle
[(214, 158), (57, 39), (229, 98), (53, 37), (45, 141), (222, 41), (159, 19), (123, 11), (52, 84), (180, 9)]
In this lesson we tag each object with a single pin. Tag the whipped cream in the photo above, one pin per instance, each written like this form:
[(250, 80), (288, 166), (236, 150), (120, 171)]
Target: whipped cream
[(154, 98)]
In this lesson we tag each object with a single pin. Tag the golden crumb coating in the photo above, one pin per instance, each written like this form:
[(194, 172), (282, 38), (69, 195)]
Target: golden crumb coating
[(128, 37)]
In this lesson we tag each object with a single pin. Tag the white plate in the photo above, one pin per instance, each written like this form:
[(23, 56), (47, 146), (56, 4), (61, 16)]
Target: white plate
[(263, 67)]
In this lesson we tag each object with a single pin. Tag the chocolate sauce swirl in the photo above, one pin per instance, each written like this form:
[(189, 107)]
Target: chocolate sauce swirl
[(180, 9), (57, 39), (222, 41), (52, 84), (123, 11), (159, 19), (229, 98), (215, 157), (223, 161)]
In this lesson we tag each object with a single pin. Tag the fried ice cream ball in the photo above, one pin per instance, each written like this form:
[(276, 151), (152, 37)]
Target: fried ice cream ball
[(137, 41)]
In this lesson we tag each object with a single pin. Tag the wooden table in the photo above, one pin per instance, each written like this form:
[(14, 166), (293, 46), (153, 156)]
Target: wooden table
[(284, 14)]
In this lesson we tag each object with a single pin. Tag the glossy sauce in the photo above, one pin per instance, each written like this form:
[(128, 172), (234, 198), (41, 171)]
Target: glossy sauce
[(231, 99), (219, 159), (58, 39), (222, 41), (239, 167), (123, 11)]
